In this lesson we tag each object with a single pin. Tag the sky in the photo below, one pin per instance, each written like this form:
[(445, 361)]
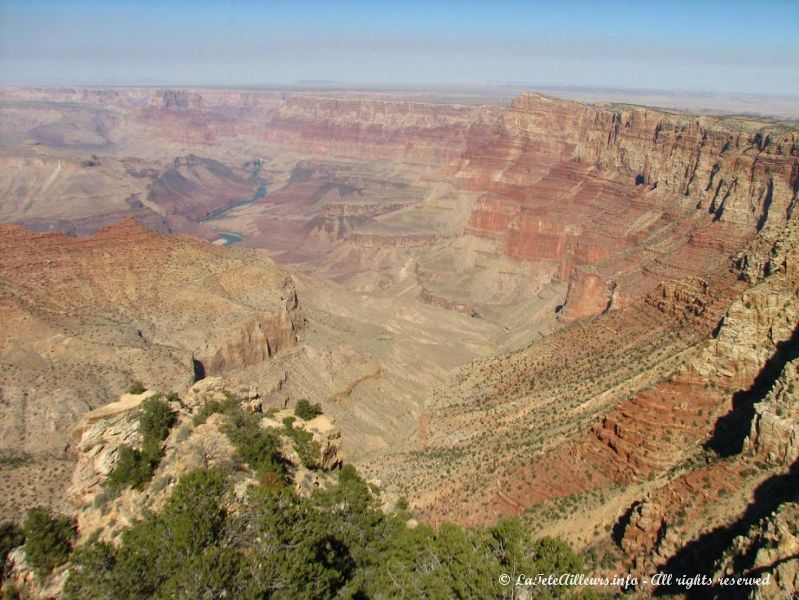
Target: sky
[(747, 47)]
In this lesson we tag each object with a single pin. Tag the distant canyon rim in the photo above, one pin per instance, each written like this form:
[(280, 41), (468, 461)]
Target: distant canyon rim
[(550, 309)]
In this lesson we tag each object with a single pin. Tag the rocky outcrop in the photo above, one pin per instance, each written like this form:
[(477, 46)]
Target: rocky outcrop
[(645, 528), (770, 551), (96, 441), (189, 446), (774, 435), (429, 297), (762, 321), (681, 298), (322, 427), (250, 343), (217, 389), (325, 433), (21, 577), (328, 436), (587, 294), (753, 328)]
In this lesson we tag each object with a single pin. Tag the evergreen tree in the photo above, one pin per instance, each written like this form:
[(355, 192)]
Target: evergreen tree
[(48, 539)]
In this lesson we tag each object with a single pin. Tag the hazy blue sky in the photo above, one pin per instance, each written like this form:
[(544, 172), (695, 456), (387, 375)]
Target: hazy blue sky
[(700, 45)]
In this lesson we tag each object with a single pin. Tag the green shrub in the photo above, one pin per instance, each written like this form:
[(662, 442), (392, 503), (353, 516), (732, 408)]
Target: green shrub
[(136, 388), (48, 539), (134, 468), (174, 397), (258, 447), (307, 411), (337, 543), (163, 556), (155, 420), (131, 470), (228, 406), (307, 448), (104, 496)]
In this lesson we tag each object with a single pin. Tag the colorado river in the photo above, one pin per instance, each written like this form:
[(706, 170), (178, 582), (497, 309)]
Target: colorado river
[(227, 237)]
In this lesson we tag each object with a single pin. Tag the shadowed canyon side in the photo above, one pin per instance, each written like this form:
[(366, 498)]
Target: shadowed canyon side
[(582, 315)]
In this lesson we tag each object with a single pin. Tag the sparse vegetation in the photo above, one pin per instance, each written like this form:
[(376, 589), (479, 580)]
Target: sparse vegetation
[(135, 467), (227, 406), (307, 411), (48, 539), (255, 446), (307, 448), (136, 388), (14, 459)]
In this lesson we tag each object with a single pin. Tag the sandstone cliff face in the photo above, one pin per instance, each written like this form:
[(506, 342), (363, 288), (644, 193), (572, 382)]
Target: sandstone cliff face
[(96, 441), (587, 294), (251, 342), (751, 355), (774, 435), (646, 530), (746, 175), (759, 322), (422, 134), (585, 185), (655, 426)]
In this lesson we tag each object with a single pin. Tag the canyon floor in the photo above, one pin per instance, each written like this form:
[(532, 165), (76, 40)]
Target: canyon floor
[(584, 315)]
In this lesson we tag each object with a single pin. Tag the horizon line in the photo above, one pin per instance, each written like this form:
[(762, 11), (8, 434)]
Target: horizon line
[(336, 85)]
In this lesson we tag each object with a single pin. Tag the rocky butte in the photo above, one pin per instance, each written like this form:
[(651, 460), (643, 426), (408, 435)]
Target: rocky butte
[(581, 315)]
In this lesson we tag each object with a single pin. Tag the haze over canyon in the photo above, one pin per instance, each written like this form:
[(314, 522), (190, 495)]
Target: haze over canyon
[(581, 315)]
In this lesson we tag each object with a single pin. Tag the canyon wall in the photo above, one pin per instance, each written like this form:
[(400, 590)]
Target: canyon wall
[(626, 194), (610, 199), (83, 317)]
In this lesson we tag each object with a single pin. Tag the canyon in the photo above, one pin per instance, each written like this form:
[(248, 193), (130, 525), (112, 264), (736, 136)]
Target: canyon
[(584, 315)]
